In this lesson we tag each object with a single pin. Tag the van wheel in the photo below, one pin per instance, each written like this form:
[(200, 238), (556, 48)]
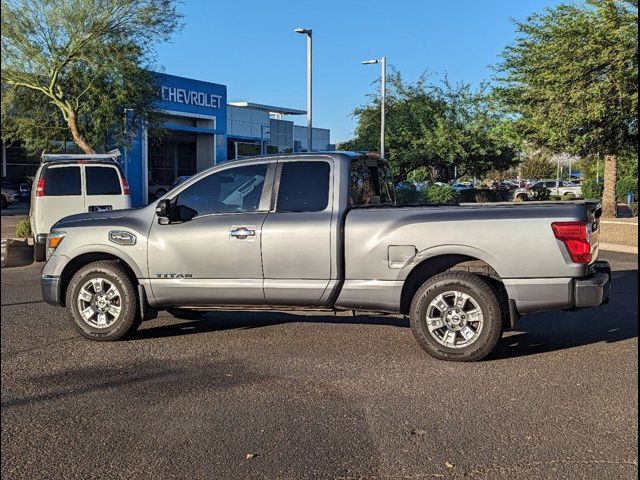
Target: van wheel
[(103, 301), (39, 251), (457, 316), (185, 313)]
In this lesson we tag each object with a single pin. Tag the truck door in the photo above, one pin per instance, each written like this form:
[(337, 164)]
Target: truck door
[(297, 234), (209, 252)]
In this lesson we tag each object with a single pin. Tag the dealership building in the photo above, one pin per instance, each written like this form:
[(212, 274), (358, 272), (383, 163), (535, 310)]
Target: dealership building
[(201, 129)]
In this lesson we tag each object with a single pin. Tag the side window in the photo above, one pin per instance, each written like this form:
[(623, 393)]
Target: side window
[(304, 187), (102, 181), (62, 181), (371, 183), (234, 190)]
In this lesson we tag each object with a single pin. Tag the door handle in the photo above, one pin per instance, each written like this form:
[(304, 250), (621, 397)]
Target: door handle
[(243, 233)]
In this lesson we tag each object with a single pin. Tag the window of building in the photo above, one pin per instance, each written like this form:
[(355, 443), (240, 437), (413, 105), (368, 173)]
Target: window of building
[(60, 181), (304, 187), (102, 181)]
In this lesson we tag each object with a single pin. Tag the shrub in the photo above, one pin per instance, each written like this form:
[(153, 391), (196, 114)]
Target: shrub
[(624, 185), (439, 194), (591, 190), (408, 196), (23, 229)]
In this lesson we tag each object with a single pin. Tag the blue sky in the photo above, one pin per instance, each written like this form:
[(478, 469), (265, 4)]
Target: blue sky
[(250, 46)]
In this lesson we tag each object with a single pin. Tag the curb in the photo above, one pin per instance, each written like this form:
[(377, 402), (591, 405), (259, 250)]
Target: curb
[(15, 251), (614, 247), (3, 253)]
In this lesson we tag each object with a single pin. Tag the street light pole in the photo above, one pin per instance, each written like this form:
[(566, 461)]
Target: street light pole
[(383, 95), (308, 32)]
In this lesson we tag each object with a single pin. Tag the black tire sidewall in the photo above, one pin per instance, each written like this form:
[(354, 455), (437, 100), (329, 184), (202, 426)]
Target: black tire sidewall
[(39, 252), (481, 292), (129, 314)]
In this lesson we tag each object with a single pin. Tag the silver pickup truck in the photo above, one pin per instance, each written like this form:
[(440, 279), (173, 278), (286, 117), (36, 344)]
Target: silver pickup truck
[(322, 232)]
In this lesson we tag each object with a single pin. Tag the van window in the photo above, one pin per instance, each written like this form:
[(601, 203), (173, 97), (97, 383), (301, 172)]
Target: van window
[(233, 190), (304, 187), (102, 181), (61, 181)]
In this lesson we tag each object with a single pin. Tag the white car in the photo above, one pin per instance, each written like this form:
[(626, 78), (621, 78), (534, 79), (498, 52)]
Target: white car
[(560, 189), (74, 183)]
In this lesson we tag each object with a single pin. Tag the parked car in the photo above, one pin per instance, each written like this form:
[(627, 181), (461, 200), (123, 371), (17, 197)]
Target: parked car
[(321, 231), (8, 196), (74, 183), (460, 186), (21, 184), (542, 189)]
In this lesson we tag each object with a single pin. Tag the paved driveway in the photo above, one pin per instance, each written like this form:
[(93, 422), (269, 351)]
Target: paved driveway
[(309, 396)]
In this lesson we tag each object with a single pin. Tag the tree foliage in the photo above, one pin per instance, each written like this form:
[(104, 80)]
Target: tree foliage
[(70, 67), (571, 79), (433, 127)]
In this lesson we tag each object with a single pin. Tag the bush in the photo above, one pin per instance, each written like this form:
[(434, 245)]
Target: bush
[(439, 194), (23, 229), (408, 196), (591, 190), (624, 185)]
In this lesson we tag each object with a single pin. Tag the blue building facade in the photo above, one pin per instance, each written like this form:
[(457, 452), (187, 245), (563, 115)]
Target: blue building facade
[(194, 116)]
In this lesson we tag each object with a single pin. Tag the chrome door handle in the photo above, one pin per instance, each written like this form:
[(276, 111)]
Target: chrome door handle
[(243, 233)]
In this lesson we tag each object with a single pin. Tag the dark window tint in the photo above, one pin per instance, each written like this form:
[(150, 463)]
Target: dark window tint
[(232, 190), (304, 187), (61, 181), (371, 182), (102, 181)]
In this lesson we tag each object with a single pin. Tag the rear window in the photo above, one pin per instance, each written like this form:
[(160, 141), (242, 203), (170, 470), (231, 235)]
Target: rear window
[(102, 181), (304, 187), (60, 181), (371, 183)]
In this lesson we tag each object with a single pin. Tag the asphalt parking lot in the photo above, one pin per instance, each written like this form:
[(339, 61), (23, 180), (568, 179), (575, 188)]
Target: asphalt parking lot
[(280, 395)]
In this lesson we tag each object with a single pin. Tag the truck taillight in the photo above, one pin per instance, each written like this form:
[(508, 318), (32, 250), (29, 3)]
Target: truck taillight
[(40, 187), (125, 186), (575, 236)]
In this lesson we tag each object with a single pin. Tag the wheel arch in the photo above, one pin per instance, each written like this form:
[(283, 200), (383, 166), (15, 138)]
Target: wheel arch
[(81, 260), (433, 265)]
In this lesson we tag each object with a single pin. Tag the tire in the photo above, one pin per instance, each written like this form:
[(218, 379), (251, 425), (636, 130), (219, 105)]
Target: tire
[(449, 341), (185, 313), (39, 251), (112, 326)]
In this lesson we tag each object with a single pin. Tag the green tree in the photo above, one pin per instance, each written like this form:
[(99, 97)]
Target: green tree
[(432, 127), (69, 67), (537, 164), (571, 78)]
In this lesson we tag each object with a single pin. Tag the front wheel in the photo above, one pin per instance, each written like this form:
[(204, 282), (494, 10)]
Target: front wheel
[(103, 301), (457, 316)]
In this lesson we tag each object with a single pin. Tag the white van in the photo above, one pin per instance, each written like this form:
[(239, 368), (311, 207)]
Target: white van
[(74, 183)]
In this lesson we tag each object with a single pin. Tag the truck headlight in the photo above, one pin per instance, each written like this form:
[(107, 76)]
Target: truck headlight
[(53, 241)]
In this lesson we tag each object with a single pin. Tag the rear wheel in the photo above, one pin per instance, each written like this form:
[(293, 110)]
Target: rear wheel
[(103, 301), (457, 316)]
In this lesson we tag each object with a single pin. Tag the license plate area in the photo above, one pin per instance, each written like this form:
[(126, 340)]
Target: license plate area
[(100, 208)]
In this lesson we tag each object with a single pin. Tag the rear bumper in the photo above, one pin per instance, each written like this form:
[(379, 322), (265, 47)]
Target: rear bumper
[(50, 287), (595, 289)]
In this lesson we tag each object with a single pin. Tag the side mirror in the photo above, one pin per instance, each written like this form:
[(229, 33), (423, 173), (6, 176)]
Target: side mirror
[(163, 208)]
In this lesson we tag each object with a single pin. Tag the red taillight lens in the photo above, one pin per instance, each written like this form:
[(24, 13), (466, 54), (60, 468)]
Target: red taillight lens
[(40, 187), (575, 236), (125, 186)]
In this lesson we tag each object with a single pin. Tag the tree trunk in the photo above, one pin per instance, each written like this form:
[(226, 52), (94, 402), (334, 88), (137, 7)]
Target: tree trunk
[(72, 122), (609, 202)]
